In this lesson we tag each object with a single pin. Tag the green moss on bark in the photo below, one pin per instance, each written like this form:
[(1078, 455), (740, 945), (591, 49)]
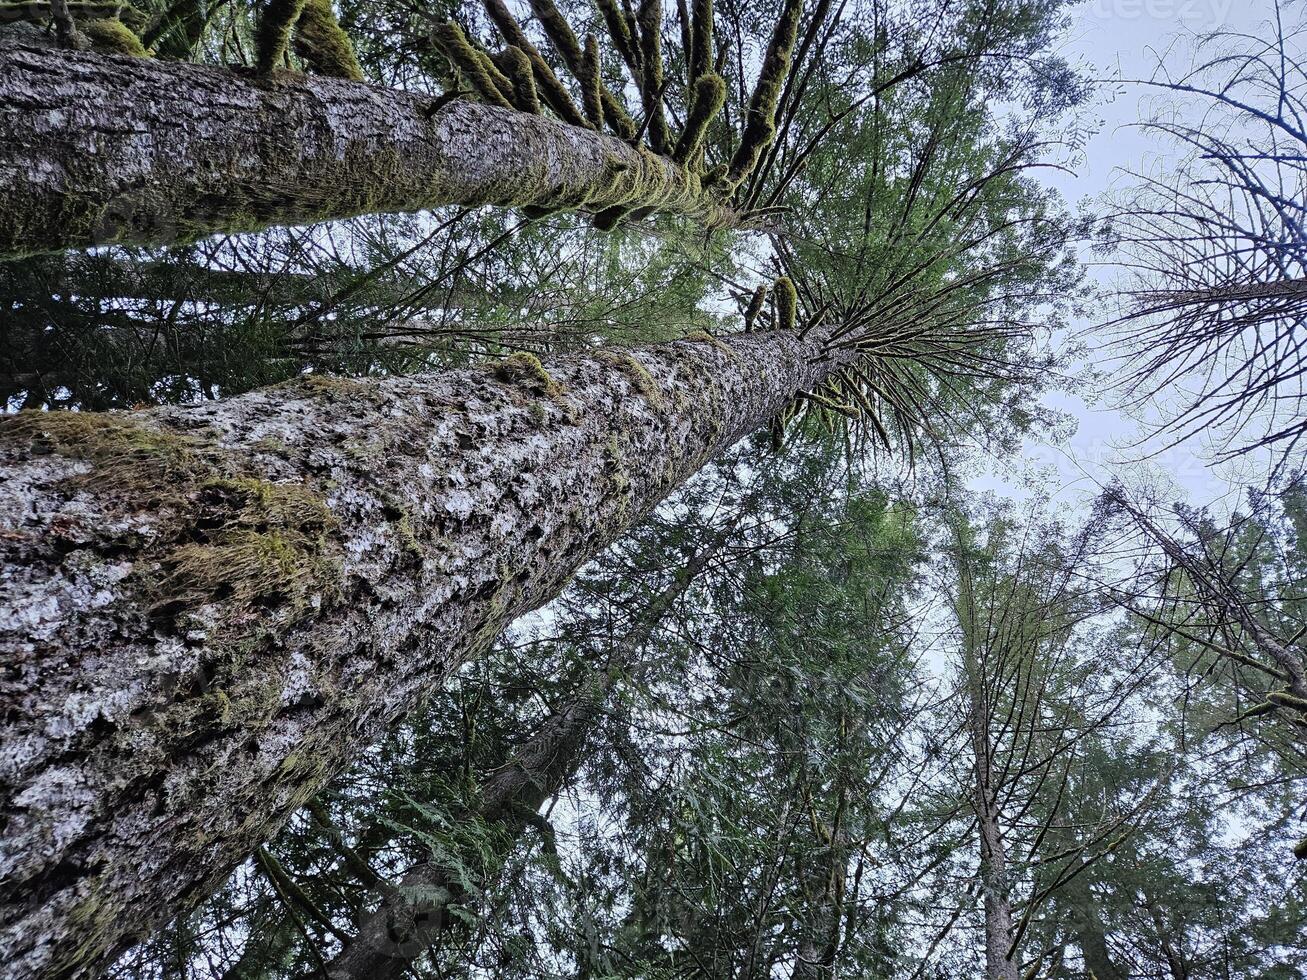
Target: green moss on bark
[(636, 373), (257, 548), (526, 369), (1287, 699), (760, 121), (649, 20), (110, 36), (787, 304), (704, 337), (323, 44), (591, 84), (486, 80), (706, 101), (273, 34), (701, 39), (551, 90), (516, 66), (39, 11)]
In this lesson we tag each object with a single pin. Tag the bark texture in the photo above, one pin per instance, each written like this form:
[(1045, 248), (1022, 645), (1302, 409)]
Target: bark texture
[(97, 150), (205, 611)]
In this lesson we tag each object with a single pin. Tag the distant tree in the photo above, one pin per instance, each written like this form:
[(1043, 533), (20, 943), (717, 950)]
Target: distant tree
[(1028, 709)]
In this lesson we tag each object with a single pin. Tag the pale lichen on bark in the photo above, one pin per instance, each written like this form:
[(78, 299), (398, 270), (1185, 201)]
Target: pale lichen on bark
[(104, 150), (166, 706)]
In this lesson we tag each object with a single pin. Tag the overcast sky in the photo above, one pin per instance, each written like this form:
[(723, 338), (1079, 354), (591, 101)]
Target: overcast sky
[(1125, 39)]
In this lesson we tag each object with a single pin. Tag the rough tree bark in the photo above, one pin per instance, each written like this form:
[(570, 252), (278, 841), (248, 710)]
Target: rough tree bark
[(205, 611), (97, 149)]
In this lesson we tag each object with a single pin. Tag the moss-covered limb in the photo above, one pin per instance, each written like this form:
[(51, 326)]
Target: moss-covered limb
[(565, 41), (111, 36), (1300, 850), (486, 80), (559, 33), (223, 152), (706, 101), (1287, 699), (323, 44), (292, 894), (755, 308), (622, 33), (760, 120), (515, 64), (551, 90), (43, 10), (687, 39), (649, 21), (177, 32), (701, 54), (592, 85), (786, 298), (272, 37)]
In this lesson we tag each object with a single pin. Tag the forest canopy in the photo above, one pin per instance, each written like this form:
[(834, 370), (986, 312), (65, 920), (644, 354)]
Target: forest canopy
[(561, 488)]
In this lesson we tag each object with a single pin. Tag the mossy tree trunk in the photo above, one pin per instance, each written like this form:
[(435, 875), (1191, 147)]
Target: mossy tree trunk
[(100, 150), (206, 611)]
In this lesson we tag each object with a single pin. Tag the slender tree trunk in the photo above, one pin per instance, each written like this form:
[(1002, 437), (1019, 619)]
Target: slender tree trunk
[(413, 915), (993, 853), (417, 912), (1087, 927), (96, 149), (993, 879), (206, 611)]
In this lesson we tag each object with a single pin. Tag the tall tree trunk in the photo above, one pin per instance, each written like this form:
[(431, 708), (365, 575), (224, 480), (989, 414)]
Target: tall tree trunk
[(206, 611), (993, 857), (417, 911), (413, 914), (1086, 925), (993, 854), (96, 149), (993, 880)]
